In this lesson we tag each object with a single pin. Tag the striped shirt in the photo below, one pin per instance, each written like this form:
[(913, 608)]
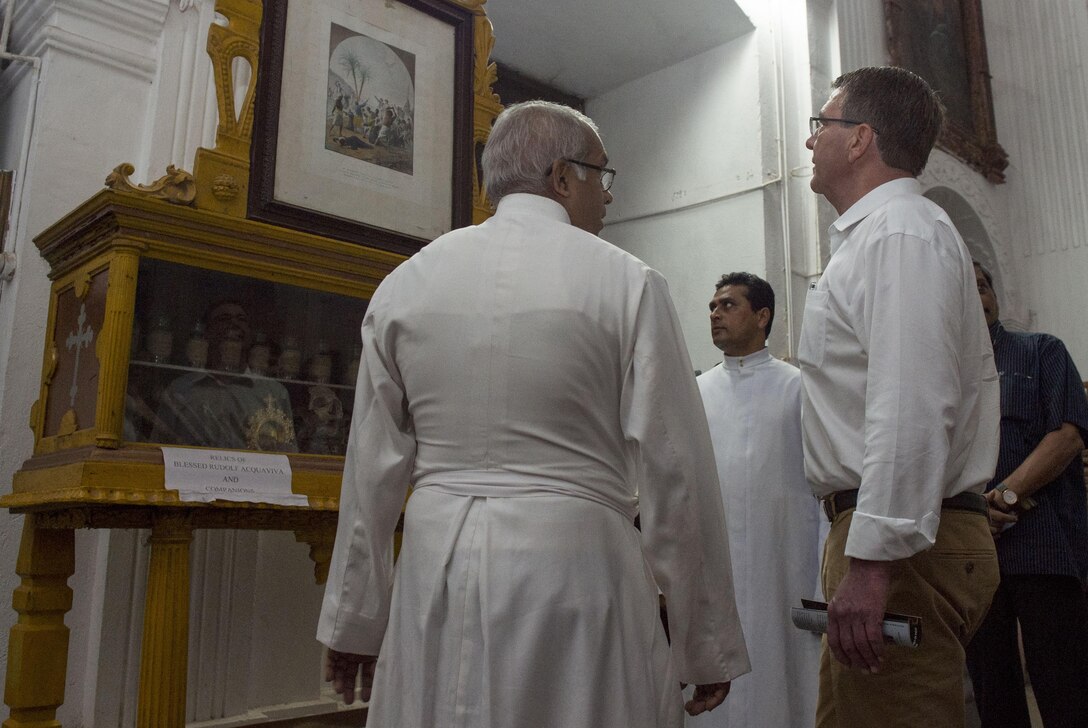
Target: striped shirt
[(1040, 390)]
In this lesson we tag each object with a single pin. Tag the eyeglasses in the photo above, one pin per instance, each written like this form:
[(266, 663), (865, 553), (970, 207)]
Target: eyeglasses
[(815, 123), (607, 174)]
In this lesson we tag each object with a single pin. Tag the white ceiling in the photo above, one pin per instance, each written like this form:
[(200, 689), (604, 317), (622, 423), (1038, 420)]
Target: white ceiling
[(587, 47)]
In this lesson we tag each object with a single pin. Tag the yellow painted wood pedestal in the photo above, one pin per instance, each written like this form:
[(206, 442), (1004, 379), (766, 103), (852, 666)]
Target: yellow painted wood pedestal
[(164, 655), (38, 643)]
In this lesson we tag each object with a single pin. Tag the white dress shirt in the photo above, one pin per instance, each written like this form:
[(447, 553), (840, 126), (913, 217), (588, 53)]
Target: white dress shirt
[(901, 396)]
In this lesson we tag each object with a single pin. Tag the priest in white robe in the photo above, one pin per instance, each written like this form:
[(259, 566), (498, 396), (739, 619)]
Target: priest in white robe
[(531, 382), (753, 406)]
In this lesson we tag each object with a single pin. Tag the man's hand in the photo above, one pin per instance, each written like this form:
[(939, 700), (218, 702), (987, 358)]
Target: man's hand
[(706, 698), (341, 669), (1001, 516), (855, 612)]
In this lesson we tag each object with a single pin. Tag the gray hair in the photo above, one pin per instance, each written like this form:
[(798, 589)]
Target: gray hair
[(524, 142)]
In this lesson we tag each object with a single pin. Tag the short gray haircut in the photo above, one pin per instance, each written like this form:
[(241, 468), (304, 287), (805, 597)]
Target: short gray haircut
[(524, 142)]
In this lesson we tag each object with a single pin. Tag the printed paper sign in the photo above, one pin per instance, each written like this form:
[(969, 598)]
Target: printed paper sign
[(203, 476)]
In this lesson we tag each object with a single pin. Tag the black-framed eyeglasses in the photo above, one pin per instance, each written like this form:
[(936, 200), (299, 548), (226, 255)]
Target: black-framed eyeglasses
[(607, 174), (815, 123)]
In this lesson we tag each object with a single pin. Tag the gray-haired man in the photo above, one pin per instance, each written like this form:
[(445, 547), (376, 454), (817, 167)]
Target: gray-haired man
[(530, 381)]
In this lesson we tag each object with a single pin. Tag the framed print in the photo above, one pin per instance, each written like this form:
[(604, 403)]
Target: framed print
[(942, 41), (363, 122)]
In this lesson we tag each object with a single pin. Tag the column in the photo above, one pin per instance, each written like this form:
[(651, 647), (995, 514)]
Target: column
[(164, 655)]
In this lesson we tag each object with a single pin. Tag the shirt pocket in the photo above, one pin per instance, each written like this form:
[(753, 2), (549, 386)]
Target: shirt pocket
[(1021, 425), (810, 348), (1019, 396)]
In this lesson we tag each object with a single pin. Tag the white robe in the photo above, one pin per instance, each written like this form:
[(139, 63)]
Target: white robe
[(753, 405), (531, 381)]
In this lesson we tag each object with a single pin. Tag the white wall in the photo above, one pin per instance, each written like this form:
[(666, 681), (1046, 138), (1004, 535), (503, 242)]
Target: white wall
[(687, 144), (1037, 61), (713, 171), (692, 248)]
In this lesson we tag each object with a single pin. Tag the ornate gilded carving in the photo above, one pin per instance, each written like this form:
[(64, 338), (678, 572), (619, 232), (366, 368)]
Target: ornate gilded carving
[(35, 416), (223, 173), (238, 39), (484, 73), (68, 424), (176, 186), (225, 188), (320, 540), (82, 284), (50, 365), (487, 104)]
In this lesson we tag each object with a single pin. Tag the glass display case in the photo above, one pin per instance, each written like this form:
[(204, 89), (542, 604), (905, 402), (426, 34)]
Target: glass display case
[(170, 326), (222, 361)]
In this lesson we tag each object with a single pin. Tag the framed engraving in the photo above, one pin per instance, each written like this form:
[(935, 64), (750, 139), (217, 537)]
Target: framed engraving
[(363, 127), (943, 42)]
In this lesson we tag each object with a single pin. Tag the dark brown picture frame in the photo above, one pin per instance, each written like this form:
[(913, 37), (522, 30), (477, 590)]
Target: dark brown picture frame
[(943, 42), (262, 203)]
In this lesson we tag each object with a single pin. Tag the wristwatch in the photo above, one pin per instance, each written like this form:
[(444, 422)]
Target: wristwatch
[(1008, 497), (1012, 499)]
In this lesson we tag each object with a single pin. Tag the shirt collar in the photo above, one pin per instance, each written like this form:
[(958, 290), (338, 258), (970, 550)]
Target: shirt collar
[(868, 204), (996, 332), (524, 203), (736, 363)]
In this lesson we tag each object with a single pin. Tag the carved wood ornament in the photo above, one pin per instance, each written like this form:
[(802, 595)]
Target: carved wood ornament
[(220, 180)]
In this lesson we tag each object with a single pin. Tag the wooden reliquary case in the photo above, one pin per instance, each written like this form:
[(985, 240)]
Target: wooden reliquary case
[(171, 326)]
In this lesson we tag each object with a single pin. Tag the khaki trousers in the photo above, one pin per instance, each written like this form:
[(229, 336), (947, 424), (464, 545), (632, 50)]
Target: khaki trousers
[(950, 587)]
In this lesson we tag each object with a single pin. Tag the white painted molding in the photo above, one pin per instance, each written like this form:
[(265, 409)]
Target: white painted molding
[(121, 31), (183, 91), (945, 171), (116, 59), (125, 17)]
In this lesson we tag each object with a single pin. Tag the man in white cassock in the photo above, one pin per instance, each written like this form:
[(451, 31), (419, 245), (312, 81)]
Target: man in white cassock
[(531, 382), (753, 406)]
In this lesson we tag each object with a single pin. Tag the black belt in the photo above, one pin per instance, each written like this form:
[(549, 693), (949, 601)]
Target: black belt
[(844, 500)]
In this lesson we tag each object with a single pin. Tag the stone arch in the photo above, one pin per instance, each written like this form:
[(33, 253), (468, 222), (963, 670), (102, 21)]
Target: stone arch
[(948, 183)]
